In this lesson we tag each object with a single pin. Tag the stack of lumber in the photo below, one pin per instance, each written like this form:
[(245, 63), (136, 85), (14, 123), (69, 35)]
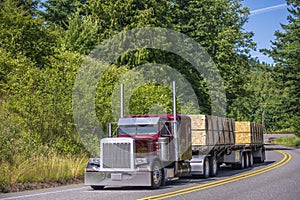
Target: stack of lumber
[(248, 133), (198, 123), (211, 130)]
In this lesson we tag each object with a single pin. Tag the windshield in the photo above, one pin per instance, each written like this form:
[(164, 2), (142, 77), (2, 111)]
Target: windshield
[(138, 129)]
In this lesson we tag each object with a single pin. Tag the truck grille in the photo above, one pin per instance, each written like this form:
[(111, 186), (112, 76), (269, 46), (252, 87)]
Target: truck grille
[(117, 153)]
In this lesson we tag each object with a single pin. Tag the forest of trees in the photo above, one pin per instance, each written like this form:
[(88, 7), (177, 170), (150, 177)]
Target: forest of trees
[(43, 44)]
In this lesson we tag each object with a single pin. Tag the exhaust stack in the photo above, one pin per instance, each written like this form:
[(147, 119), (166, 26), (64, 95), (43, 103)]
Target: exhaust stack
[(176, 139), (174, 100), (122, 101)]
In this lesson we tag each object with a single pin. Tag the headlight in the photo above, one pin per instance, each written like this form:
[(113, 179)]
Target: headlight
[(141, 161), (94, 160), (92, 168)]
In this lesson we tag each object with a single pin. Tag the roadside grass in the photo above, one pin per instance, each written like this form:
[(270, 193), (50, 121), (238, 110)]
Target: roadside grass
[(40, 168), (27, 162), (288, 141)]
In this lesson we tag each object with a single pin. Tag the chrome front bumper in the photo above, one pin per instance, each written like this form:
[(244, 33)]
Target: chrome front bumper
[(117, 178)]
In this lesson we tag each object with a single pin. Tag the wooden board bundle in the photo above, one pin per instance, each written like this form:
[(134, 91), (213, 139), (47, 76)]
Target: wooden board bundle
[(211, 130), (198, 129), (248, 133)]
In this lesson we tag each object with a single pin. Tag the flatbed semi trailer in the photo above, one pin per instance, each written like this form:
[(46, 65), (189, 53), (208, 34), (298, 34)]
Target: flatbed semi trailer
[(218, 140)]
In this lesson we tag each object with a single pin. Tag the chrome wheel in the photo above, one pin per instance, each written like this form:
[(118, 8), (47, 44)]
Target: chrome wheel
[(156, 175)]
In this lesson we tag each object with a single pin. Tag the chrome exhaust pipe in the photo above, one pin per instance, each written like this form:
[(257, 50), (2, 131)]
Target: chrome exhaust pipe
[(174, 100), (122, 100)]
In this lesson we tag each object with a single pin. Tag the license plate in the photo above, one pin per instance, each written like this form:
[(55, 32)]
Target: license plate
[(116, 176)]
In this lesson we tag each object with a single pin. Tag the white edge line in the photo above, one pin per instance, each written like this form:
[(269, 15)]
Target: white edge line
[(43, 193)]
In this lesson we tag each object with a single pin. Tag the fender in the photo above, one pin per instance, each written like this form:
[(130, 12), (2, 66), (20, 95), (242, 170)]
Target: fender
[(197, 163)]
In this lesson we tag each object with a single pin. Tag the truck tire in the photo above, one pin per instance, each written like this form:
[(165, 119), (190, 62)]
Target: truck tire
[(213, 166), (156, 175), (97, 187), (263, 154), (206, 168), (240, 165), (261, 158), (251, 161), (247, 161)]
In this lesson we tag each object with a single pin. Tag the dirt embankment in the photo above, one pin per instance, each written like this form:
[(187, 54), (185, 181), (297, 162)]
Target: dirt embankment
[(39, 185)]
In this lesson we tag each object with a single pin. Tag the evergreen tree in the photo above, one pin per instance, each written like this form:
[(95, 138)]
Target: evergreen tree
[(286, 54), (29, 5), (82, 33), (57, 11)]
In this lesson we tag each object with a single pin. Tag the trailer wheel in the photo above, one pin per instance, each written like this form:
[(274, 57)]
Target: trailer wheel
[(206, 168), (156, 175), (213, 165), (247, 161), (263, 154), (251, 161), (97, 187), (261, 158), (242, 164)]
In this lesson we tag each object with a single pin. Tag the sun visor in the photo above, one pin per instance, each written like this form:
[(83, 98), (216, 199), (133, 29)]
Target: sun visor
[(138, 121)]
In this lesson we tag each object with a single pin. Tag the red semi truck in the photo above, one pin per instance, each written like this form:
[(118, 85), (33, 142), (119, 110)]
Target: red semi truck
[(150, 150)]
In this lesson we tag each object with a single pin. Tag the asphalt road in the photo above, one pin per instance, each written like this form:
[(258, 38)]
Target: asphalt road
[(276, 179)]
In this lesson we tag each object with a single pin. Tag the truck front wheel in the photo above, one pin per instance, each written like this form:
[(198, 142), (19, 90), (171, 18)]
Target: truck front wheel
[(156, 175)]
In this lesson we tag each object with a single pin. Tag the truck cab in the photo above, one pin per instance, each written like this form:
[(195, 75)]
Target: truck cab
[(148, 151), (145, 130)]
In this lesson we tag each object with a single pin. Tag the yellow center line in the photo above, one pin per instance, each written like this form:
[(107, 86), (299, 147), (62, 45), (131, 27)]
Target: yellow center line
[(214, 184), (286, 158)]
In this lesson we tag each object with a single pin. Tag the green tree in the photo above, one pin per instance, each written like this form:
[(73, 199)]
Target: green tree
[(36, 79), (218, 27), (29, 5), (286, 54), (21, 34), (263, 100), (56, 12), (82, 34)]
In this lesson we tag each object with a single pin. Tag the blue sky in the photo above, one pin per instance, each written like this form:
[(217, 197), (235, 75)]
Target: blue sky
[(265, 19)]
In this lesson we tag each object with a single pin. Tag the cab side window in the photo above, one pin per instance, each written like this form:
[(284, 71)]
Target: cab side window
[(165, 129)]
